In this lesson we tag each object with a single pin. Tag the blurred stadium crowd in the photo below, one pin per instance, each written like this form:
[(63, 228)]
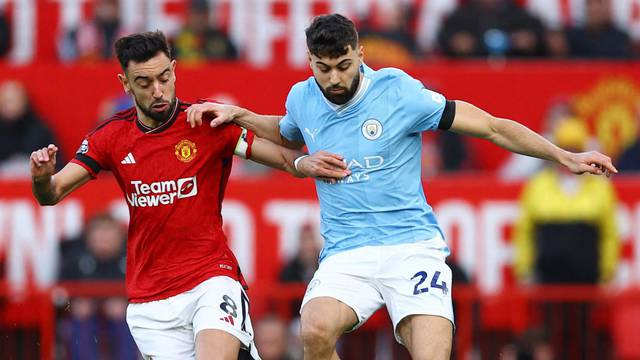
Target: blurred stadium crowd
[(553, 226)]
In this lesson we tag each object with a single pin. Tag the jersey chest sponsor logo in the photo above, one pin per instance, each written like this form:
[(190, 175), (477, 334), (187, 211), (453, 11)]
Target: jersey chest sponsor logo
[(361, 168), (186, 150), (159, 193)]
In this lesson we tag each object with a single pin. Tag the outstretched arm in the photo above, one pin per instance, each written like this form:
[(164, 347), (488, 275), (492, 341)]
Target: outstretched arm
[(48, 188), (515, 137), (322, 165), (264, 126)]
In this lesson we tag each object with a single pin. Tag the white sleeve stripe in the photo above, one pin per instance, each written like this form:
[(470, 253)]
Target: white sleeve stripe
[(242, 145)]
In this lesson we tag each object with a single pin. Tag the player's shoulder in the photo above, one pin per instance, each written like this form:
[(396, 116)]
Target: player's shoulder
[(119, 120), (183, 105), (391, 74), (395, 78), (301, 89)]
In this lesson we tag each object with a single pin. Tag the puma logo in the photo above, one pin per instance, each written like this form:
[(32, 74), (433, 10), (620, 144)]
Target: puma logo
[(311, 133)]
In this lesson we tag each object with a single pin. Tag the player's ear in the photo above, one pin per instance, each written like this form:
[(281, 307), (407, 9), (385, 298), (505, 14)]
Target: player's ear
[(360, 52), (125, 83), (309, 58), (173, 68)]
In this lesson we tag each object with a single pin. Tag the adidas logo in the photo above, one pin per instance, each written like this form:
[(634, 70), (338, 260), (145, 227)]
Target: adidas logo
[(128, 159), (228, 319)]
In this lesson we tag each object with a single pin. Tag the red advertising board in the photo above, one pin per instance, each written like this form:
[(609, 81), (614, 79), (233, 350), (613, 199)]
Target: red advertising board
[(605, 94), (264, 216)]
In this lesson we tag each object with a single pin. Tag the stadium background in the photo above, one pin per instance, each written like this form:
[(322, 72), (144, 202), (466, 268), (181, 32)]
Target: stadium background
[(265, 211)]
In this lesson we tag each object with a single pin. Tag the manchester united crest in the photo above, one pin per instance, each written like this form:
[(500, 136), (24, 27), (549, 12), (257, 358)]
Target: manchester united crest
[(186, 150)]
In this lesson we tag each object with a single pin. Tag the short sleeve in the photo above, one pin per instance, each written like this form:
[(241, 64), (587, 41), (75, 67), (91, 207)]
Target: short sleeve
[(239, 141), (92, 154), (424, 107), (289, 127)]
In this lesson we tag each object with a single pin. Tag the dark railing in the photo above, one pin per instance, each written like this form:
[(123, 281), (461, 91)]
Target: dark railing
[(581, 322)]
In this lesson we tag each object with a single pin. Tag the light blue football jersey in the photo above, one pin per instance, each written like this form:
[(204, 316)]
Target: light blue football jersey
[(379, 133)]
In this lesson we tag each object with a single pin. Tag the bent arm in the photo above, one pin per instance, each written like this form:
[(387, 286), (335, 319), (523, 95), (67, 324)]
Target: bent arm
[(267, 153), (515, 137), (508, 134), (50, 190), (264, 126), (321, 165)]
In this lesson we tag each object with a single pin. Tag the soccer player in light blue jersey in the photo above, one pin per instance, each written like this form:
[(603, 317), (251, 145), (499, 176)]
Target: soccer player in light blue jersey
[(382, 243)]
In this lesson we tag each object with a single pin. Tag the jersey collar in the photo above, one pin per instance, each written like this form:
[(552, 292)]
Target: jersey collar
[(167, 124)]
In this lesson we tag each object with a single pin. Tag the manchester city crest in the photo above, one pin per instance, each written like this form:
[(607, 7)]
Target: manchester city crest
[(372, 129)]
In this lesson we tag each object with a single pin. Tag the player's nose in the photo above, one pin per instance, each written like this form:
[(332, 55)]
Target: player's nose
[(157, 90), (334, 78)]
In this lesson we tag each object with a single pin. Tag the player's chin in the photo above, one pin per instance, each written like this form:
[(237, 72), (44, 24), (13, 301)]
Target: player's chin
[(340, 99)]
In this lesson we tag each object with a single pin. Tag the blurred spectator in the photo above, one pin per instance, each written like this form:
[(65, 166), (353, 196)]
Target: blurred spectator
[(533, 344), (454, 154), (98, 255), (598, 38), (200, 40), (629, 160), (557, 45), (21, 130), (567, 230), (492, 27), (272, 338), (302, 267), (5, 35), (386, 38), (93, 40)]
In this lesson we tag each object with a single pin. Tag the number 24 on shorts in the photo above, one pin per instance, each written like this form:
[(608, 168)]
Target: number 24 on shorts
[(422, 275)]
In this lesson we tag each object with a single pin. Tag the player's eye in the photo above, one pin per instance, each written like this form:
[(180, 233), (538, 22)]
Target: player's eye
[(344, 66), (143, 84), (324, 69)]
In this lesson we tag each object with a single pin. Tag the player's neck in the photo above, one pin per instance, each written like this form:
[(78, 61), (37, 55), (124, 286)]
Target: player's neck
[(150, 123)]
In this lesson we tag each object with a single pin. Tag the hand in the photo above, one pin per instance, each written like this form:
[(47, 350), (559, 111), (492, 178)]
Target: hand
[(591, 162), (324, 166), (220, 113), (43, 162)]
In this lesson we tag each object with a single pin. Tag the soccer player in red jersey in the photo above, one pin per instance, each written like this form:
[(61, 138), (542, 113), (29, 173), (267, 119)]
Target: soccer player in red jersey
[(184, 285)]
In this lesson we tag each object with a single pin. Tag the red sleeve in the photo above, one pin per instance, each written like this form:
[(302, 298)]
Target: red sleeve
[(240, 140), (91, 154)]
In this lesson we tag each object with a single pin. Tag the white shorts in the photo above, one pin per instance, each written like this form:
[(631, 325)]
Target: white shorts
[(411, 279), (167, 329)]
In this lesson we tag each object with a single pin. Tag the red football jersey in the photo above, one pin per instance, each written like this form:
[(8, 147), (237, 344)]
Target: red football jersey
[(173, 178)]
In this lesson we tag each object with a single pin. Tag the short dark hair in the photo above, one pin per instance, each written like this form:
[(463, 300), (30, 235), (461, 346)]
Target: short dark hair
[(141, 47), (329, 35)]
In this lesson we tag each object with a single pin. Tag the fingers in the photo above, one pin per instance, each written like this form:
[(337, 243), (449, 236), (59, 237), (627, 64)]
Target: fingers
[(602, 165), (34, 160), (52, 150), (333, 160), (43, 155), (221, 118), (221, 114), (331, 173), (327, 180), (194, 115)]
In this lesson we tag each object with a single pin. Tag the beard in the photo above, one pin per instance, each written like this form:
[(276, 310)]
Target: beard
[(343, 98), (160, 117)]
